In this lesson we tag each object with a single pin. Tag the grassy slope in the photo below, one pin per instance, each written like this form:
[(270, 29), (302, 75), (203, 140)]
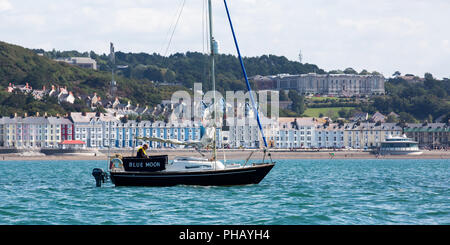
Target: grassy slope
[(19, 65), (328, 111)]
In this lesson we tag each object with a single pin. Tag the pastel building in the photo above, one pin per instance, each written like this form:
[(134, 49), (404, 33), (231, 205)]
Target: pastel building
[(100, 130), (34, 132), (369, 135)]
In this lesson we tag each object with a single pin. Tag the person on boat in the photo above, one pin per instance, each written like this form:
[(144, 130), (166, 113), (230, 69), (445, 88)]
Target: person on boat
[(141, 152)]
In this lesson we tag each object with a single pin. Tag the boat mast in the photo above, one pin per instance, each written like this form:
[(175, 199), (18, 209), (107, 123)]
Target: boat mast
[(113, 85), (213, 75), (255, 109)]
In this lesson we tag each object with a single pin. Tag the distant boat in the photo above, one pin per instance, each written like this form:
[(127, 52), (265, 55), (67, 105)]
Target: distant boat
[(157, 171), (399, 145)]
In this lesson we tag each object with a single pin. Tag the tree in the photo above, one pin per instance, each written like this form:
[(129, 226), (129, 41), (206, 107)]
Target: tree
[(298, 102), (343, 113), (396, 74), (406, 117), (364, 72), (336, 72), (350, 71), (428, 76), (124, 119), (391, 119), (283, 96)]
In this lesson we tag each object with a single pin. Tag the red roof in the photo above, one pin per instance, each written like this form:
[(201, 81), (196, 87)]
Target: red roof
[(72, 142)]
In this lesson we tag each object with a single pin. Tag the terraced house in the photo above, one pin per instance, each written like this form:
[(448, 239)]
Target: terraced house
[(369, 135), (296, 133), (34, 132), (99, 130), (330, 135), (429, 135)]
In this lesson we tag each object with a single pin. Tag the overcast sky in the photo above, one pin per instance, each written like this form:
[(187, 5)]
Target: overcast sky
[(412, 36)]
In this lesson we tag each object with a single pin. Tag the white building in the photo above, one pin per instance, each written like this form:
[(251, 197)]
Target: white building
[(84, 62), (330, 135), (295, 133), (95, 129), (100, 130), (325, 84)]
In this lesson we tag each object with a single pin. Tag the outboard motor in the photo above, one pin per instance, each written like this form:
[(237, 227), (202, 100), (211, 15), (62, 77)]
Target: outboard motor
[(100, 176)]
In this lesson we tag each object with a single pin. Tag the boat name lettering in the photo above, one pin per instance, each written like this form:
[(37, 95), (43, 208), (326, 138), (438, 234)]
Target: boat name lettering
[(144, 164)]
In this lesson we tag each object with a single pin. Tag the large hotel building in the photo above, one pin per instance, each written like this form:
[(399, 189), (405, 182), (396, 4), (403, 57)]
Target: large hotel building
[(324, 84)]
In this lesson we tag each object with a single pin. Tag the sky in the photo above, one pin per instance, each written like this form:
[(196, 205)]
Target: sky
[(410, 36)]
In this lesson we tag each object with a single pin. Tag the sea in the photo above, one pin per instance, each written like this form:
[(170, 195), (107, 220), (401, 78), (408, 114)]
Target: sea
[(295, 192)]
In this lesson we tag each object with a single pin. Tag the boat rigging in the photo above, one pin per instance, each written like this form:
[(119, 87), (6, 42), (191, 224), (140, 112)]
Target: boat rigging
[(156, 170)]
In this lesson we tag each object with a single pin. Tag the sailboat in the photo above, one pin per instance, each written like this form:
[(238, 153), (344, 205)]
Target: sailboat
[(157, 171)]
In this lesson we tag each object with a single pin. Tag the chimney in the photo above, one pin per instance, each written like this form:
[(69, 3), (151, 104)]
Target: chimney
[(25, 114), (37, 114), (45, 114), (43, 88), (83, 113), (15, 114)]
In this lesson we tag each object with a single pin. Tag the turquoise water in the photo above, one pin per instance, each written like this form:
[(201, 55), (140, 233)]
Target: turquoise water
[(296, 192)]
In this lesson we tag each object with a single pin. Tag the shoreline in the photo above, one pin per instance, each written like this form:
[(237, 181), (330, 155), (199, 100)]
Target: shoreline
[(229, 154)]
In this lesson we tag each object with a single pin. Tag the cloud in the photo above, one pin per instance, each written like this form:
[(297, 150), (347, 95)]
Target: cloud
[(406, 35), (5, 5), (387, 25)]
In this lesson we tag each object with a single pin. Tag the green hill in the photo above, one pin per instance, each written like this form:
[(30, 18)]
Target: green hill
[(19, 65), (141, 81)]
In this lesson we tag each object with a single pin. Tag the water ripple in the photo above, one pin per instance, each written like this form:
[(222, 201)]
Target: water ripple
[(296, 192)]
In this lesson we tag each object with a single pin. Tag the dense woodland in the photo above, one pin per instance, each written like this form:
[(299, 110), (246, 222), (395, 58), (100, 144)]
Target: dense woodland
[(149, 78)]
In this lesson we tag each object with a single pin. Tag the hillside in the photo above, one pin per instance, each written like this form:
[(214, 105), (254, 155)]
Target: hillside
[(19, 65), (193, 67), (141, 82)]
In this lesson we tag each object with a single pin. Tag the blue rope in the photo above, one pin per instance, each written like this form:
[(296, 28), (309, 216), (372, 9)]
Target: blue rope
[(245, 75)]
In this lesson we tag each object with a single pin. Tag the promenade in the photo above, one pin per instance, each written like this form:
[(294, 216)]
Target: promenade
[(229, 155)]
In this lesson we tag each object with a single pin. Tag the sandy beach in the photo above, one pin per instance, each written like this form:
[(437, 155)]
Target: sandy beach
[(229, 155)]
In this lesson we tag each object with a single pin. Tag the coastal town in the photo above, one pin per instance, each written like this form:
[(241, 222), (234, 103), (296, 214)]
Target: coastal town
[(122, 125), (104, 130)]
